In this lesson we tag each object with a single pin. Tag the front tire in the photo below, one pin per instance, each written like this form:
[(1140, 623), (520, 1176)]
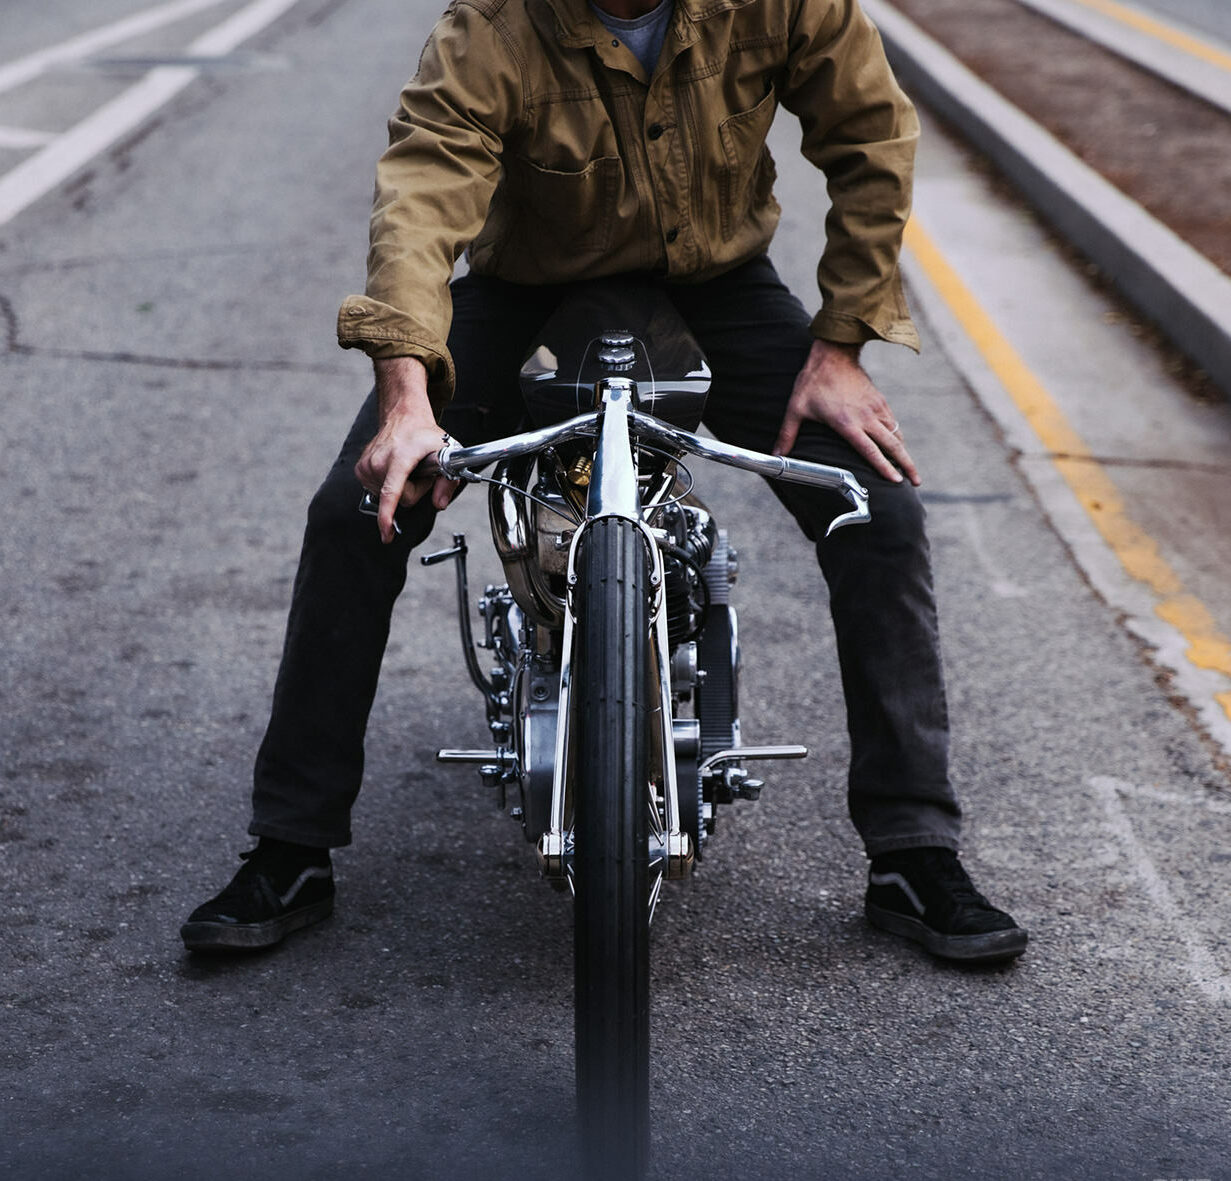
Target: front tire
[(612, 679)]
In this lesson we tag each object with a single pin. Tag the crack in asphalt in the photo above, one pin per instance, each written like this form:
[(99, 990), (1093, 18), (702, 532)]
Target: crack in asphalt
[(8, 315), (1017, 456), (197, 363), (13, 347), (1174, 465)]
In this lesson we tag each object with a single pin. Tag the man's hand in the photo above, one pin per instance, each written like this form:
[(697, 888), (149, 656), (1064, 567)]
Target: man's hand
[(408, 435), (833, 388)]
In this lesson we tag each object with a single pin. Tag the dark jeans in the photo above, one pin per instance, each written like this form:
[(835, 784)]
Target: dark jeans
[(756, 337)]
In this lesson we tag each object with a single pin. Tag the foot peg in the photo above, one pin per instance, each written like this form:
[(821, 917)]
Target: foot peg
[(471, 756), (741, 754), (734, 783)]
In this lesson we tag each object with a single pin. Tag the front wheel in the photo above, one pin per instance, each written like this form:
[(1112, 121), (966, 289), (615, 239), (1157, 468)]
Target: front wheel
[(611, 802)]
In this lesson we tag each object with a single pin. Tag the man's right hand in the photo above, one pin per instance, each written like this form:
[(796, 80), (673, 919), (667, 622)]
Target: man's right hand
[(408, 435)]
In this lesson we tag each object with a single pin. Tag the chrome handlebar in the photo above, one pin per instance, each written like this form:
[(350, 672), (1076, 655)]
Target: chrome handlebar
[(774, 467), (461, 463)]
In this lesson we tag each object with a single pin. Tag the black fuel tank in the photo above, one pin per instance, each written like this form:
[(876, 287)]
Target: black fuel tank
[(672, 376)]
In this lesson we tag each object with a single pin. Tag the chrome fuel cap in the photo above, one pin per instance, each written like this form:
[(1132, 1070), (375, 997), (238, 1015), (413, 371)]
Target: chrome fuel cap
[(615, 351)]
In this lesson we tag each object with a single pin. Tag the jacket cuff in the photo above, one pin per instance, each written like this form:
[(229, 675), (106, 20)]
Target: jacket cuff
[(846, 329), (382, 331)]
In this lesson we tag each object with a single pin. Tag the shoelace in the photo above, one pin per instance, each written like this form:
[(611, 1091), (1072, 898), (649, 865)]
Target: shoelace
[(948, 869)]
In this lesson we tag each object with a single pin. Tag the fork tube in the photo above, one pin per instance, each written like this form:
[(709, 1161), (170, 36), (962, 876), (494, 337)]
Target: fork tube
[(558, 785), (662, 651), (613, 482), (614, 492)]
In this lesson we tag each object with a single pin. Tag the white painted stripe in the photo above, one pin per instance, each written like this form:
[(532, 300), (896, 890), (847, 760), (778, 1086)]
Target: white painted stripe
[(1202, 967), (21, 137), (23, 69), (238, 28), (999, 582), (35, 177)]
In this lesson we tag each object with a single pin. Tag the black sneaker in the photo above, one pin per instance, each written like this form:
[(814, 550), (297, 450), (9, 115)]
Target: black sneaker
[(926, 895), (279, 889)]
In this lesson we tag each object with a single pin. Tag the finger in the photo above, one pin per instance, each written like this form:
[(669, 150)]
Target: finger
[(787, 433), (443, 492), (391, 492), (365, 475), (868, 442), (895, 446), (891, 444), (904, 461)]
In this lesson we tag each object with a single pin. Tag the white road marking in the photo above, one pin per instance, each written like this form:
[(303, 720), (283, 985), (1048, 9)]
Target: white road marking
[(247, 22), (22, 137), (25, 69), (35, 177), (1000, 584), (1202, 967)]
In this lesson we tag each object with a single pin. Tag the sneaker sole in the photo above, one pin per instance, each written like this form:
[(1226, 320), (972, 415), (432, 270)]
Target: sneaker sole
[(206, 936), (989, 947)]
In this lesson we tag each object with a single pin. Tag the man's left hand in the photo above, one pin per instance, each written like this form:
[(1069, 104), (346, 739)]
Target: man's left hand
[(833, 388)]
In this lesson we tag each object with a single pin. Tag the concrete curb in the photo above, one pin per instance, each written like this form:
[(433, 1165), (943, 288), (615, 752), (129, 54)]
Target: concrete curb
[(1166, 279)]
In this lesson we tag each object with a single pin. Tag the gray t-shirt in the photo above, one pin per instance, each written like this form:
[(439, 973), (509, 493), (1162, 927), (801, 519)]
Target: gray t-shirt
[(644, 35)]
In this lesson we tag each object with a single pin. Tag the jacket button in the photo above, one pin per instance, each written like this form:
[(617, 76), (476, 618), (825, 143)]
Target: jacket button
[(672, 234), (656, 130)]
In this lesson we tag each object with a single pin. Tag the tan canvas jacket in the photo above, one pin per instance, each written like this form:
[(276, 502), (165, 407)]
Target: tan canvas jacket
[(532, 136)]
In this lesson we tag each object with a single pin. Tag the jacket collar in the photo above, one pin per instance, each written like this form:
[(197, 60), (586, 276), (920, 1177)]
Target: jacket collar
[(577, 26)]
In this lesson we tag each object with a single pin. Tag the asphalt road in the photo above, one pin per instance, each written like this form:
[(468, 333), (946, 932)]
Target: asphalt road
[(171, 396)]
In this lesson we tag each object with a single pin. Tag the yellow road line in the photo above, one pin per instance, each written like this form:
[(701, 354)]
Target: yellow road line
[(1160, 31), (1138, 552)]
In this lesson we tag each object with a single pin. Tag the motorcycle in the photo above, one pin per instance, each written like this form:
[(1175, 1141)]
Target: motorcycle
[(613, 693)]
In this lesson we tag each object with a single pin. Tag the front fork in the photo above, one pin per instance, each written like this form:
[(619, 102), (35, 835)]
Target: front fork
[(670, 847), (614, 492)]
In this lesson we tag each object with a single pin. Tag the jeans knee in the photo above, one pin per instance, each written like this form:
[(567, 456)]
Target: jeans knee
[(897, 524), (889, 556), (335, 507), (898, 515)]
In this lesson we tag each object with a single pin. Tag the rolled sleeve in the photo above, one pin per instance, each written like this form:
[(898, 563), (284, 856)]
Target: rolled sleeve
[(382, 331), (861, 130), (434, 184)]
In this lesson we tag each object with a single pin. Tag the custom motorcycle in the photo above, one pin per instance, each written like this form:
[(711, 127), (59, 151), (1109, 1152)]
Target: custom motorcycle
[(612, 694)]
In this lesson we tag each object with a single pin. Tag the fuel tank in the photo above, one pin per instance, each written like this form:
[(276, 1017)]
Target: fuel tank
[(575, 349)]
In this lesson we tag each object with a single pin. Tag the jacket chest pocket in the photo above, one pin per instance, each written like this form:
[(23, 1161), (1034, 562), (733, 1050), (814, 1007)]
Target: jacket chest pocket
[(569, 212), (747, 169)]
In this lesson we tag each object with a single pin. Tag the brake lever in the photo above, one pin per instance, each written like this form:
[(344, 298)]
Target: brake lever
[(369, 506), (860, 513)]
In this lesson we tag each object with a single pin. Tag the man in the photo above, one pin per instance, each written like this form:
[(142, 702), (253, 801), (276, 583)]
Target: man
[(554, 142)]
